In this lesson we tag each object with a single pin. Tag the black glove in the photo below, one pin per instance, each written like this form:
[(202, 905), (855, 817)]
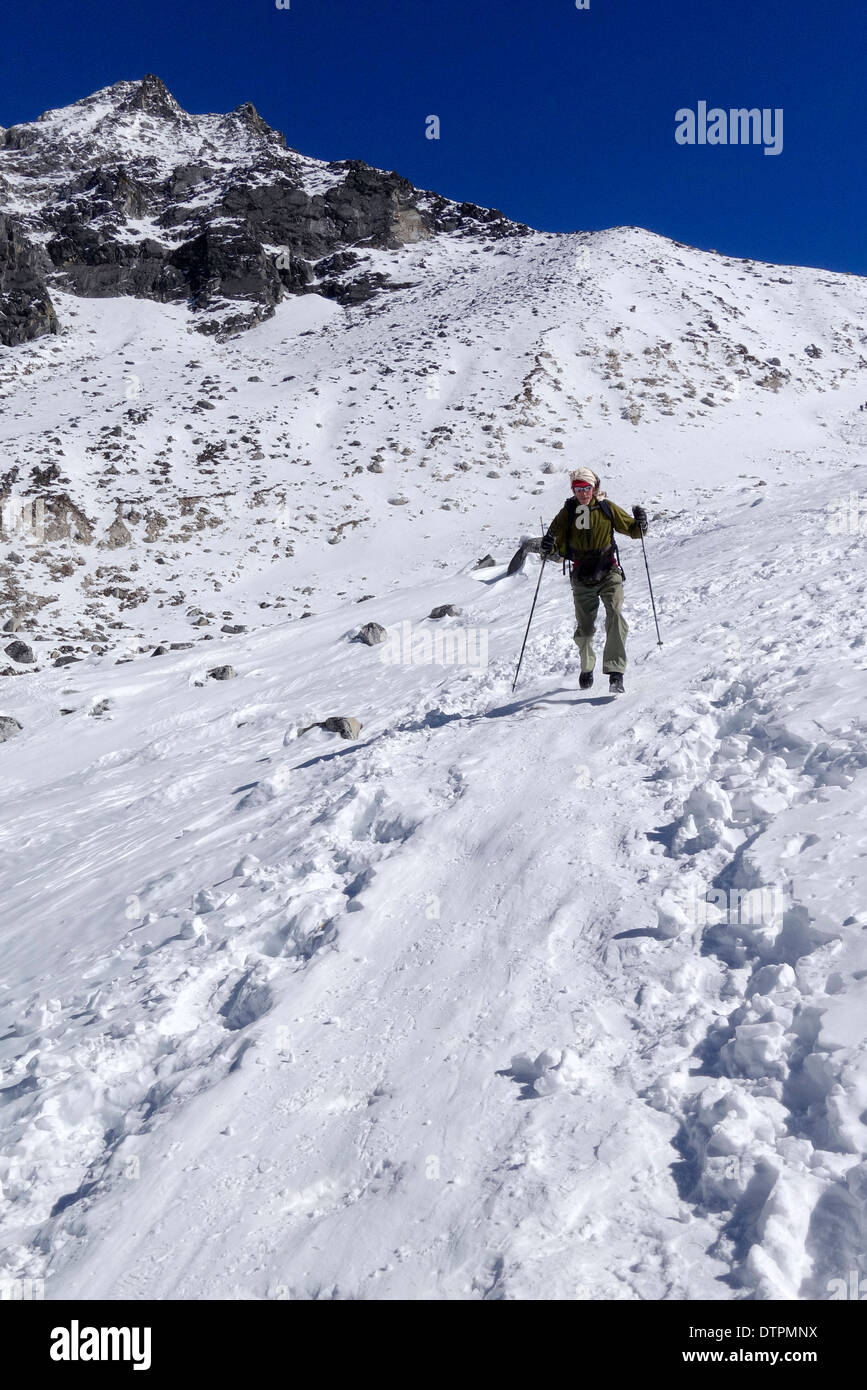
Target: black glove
[(548, 546), (641, 517)]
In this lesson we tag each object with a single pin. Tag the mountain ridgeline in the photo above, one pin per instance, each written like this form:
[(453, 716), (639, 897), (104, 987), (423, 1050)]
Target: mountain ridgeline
[(125, 193)]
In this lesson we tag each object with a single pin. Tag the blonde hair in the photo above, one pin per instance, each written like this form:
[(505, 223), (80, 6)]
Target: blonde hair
[(580, 475)]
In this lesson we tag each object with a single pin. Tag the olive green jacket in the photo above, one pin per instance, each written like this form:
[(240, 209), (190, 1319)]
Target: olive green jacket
[(589, 528)]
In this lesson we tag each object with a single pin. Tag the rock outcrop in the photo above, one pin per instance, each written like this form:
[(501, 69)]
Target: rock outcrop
[(26, 310)]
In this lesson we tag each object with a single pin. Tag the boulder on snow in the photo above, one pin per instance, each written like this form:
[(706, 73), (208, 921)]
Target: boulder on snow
[(8, 727), (371, 634), (221, 673), (445, 610), (530, 545), (12, 625), (19, 651), (517, 560), (486, 562), (339, 724)]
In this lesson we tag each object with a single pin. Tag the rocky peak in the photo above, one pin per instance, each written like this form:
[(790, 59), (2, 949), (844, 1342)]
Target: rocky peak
[(125, 193), (148, 94), (151, 95), (247, 115)]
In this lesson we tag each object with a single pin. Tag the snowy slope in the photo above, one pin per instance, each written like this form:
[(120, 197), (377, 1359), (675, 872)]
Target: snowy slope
[(274, 1006), (221, 476)]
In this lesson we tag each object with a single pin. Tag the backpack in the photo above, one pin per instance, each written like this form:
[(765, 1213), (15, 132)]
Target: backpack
[(605, 559)]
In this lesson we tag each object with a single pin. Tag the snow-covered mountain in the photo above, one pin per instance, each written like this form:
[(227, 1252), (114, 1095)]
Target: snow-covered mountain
[(287, 446), (505, 996), (126, 193)]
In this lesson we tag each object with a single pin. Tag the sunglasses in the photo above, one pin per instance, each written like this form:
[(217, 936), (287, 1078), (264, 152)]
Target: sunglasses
[(582, 487)]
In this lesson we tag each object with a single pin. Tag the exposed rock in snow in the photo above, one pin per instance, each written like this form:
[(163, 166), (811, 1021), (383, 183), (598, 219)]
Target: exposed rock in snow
[(339, 724), (19, 651), (371, 635)]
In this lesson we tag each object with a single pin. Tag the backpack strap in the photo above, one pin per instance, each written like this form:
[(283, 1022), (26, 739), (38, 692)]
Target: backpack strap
[(571, 508), (609, 517)]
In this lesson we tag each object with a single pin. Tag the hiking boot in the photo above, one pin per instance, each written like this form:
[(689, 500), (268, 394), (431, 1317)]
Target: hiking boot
[(615, 684), (585, 680)]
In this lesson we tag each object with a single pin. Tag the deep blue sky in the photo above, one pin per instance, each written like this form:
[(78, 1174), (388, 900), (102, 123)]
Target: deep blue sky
[(562, 118)]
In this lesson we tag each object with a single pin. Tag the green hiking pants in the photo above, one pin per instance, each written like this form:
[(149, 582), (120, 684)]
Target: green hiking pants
[(587, 597)]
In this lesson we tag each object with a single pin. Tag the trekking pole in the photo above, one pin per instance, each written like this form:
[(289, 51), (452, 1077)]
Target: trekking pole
[(532, 611), (650, 587)]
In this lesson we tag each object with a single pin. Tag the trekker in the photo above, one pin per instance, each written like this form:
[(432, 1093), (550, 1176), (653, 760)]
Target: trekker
[(582, 532)]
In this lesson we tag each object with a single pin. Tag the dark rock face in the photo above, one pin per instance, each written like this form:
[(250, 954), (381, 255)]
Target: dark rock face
[(222, 263), (26, 310), (19, 651), (152, 96), (212, 216)]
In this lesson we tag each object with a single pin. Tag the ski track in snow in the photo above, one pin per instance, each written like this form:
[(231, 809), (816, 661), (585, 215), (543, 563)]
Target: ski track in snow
[(425, 1015)]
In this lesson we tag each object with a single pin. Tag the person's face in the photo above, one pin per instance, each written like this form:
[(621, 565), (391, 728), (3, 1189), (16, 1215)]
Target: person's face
[(583, 491)]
